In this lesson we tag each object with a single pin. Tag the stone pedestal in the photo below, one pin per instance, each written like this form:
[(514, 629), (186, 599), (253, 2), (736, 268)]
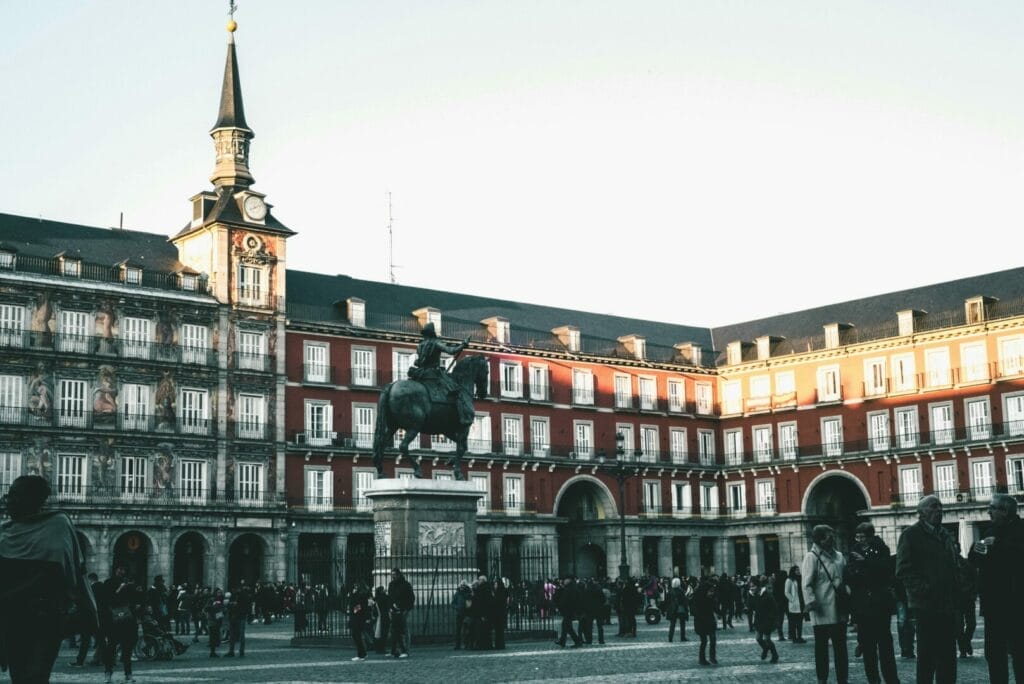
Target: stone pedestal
[(427, 528)]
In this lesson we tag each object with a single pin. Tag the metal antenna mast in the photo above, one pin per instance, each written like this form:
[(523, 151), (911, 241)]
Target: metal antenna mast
[(391, 244)]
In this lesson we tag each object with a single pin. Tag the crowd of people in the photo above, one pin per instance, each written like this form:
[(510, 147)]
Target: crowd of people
[(928, 584)]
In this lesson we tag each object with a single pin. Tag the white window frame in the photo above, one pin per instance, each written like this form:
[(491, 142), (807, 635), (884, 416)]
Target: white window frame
[(195, 343), (652, 496), (709, 505), (761, 437), (978, 417), (479, 439), (133, 478), (875, 381), (973, 362), (74, 332), (72, 405), (364, 419), (736, 495), (682, 498), (136, 406), (829, 383), (364, 366), (513, 493), (650, 443), (942, 431), (732, 397), (677, 444), (628, 441), (785, 383), (676, 395), (193, 481), (983, 477), (252, 348), (648, 389), (401, 360), (540, 382), (937, 367), (623, 391), (904, 372), (10, 468), (72, 477), (878, 431), (1011, 355), (1015, 476), (136, 337), (706, 446), (362, 480), (1013, 414), (911, 484), (252, 415), (319, 488), (789, 447), (582, 386), (940, 476), (540, 436), (704, 397), (733, 446), (482, 483), (318, 422), (764, 496), (511, 434), (12, 325), (194, 414), (511, 374), (832, 436), (251, 288), (250, 483), (908, 430), (583, 439), (316, 361), (12, 399)]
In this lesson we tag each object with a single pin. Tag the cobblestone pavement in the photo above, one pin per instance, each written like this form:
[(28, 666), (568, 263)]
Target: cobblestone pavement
[(649, 658)]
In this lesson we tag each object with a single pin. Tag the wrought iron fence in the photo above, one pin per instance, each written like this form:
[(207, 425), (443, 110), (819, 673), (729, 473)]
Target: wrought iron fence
[(326, 582)]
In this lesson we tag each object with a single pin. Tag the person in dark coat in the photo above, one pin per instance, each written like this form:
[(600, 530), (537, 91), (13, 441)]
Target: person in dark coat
[(871, 578), (358, 614), (778, 585), (766, 616), (999, 557), (401, 598), (966, 619), (926, 564), (675, 609), (480, 609), (567, 600), (499, 611), (727, 594), (120, 626), (594, 608), (629, 601), (460, 601), (380, 614), (705, 624)]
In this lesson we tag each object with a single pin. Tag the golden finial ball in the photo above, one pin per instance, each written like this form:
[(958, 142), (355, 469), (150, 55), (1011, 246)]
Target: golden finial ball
[(232, 26)]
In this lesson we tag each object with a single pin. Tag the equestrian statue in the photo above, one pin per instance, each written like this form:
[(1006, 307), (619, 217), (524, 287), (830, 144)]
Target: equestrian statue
[(431, 401)]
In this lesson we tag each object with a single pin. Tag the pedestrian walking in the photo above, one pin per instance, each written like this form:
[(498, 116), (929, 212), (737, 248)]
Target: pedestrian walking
[(926, 564), (705, 623), (567, 600), (795, 606), (675, 609), (871, 578), (121, 626), (595, 608), (358, 614), (499, 611), (778, 588), (237, 611), (967, 596), (381, 615), (999, 557), (42, 575), (401, 599), (766, 615), (460, 599), (215, 620), (822, 575)]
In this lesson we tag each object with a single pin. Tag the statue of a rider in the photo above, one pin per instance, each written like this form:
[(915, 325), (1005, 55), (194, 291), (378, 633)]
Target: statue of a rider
[(427, 369)]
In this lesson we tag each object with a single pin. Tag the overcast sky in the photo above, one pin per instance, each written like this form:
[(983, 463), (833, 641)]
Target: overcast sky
[(693, 162)]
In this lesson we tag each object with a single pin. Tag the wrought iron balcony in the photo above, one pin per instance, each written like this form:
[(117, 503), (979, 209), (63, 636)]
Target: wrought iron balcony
[(97, 345), (135, 494), (318, 373), (252, 361), (123, 421), (107, 274), (369, 378)]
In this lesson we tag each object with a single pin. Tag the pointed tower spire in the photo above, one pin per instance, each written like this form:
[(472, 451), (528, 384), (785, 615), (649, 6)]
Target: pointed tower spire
[(231, 135)]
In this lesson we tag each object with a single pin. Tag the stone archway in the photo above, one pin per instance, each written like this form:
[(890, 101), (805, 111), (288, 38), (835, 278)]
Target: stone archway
[(835, 499), (246, 557), (134, 550), (586, 504), (189, 563)]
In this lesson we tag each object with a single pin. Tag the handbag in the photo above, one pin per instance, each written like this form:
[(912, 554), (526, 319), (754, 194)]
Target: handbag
[(842, 590), (120, 614)]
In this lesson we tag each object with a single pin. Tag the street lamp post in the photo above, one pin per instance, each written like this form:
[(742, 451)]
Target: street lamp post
[(621, 472)]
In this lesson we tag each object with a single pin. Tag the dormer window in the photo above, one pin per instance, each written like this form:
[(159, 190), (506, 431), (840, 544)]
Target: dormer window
[(635, 345), (356, 312), (569, 335), (975, 309), (734, 353), (906, 320), (831, 336), (429, 314), (7, 259), (132, 275), (689, 352), (499, 329), (71, 267)]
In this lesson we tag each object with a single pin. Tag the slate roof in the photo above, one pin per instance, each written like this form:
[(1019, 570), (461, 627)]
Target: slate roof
[(231, 113), (104, 246), (226, 210)]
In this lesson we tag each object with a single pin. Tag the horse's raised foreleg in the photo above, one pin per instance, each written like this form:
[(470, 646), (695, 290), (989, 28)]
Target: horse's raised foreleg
[(403, 449)]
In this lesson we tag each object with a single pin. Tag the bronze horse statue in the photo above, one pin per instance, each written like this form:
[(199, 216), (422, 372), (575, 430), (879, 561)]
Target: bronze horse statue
[(406, 405)]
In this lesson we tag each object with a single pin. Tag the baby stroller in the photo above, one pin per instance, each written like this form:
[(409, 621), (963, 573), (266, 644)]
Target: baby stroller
[(156, 643)]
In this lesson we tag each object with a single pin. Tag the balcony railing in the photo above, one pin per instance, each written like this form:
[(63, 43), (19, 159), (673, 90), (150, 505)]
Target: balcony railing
[(506, 389), (539, 392), (251, 361), (107, 274), (252, 296), (624, 401), (68, 343), (135, 494), (92, 420), (582, 397), (367, 377), (250, 429), (318, 373)]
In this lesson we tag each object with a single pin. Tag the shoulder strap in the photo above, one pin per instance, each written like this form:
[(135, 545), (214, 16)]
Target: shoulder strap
[(825, 568)]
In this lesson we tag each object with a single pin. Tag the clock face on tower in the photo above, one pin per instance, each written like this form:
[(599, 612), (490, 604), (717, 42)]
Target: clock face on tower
[(255, 208)]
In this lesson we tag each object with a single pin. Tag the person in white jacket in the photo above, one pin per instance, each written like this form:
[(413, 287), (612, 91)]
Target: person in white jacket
[(822, 571), (795, 606)]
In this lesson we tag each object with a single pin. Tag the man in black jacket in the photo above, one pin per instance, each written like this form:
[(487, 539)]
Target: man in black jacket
[(567, 600), (999, 558), (871, 579), (402, 599), (926, 564)]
